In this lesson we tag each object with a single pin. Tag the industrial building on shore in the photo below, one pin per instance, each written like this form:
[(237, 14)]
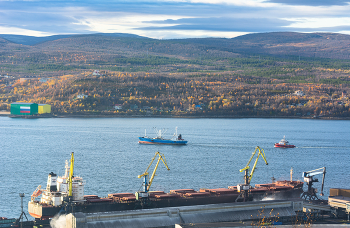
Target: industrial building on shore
[(29, 109)]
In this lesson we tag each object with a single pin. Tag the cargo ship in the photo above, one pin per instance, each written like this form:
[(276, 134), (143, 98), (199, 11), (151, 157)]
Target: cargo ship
[(175, 140), (65, 194)]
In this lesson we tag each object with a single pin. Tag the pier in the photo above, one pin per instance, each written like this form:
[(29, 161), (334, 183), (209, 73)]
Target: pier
[(167, 217)]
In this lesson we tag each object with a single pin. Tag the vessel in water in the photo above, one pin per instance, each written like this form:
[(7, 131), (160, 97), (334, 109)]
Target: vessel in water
[(65, 194), (175, 140), (8, 223), (284, 144)]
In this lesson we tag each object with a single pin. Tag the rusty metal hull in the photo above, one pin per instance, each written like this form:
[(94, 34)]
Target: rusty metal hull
[(181, 197)]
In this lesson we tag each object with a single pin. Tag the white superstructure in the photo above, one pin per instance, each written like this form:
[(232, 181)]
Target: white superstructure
[(57, 188)]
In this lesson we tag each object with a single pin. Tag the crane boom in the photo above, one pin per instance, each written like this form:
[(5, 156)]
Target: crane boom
[(314, 172), (70, 177), (324, 174), (36, 193), (146, 174), (262, 153), (244, 188)]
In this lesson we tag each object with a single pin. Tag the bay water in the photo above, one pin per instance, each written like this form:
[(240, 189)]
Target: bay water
[(109, 158)]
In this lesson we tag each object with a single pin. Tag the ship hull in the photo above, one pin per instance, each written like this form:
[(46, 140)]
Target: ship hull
[(283, 146), (41, 211), (146, 140), (37, 210)]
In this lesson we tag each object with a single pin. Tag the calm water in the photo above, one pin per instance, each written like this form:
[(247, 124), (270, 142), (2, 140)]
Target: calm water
[(109, 158)]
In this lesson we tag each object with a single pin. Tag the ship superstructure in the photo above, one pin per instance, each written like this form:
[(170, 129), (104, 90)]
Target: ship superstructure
[(57, 190)]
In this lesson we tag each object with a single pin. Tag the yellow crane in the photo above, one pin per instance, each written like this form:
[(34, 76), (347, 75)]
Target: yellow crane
[(70, 177), (246, 168), (247, 178), (147, 183)]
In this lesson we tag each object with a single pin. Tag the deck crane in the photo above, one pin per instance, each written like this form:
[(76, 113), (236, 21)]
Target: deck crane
[(246, 169), (247, 178), (308, 178), (36, 193), (70, 178), (148, 183)]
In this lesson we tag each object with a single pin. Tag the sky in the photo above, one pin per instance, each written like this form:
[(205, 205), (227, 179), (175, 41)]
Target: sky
[(173, 19)]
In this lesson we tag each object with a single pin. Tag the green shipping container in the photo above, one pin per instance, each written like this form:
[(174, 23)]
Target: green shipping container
[(24, 109)]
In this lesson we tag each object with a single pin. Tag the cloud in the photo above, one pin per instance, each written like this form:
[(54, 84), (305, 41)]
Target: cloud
[(179, 34), (33, 16), (172, 18), (223, 24), (312, 2), (19, 31), (320, 24)]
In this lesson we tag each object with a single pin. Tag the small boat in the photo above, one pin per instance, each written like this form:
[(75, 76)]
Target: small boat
[(175, 140), (6, 222), (284, 143)]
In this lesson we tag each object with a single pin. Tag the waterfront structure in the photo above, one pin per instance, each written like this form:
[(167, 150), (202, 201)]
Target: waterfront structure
[(24, 109), (44, 108)]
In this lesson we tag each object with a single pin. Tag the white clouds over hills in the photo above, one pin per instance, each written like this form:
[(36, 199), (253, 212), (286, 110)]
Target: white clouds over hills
[(173, 19)]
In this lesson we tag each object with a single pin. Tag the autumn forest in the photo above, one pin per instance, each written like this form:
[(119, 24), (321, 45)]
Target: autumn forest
[(271, 75)]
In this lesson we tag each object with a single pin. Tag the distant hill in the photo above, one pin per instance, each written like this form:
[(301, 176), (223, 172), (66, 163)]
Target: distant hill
[(251, 75), (278, 37), (32, 40), (119, 50), (321, 45), (3, 42)]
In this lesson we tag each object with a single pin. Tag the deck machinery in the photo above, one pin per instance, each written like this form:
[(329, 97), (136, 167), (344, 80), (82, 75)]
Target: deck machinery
[(311, 193)]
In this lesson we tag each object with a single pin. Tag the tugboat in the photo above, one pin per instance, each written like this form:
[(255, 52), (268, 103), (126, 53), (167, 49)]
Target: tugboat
[(284, 143), (175, 140)]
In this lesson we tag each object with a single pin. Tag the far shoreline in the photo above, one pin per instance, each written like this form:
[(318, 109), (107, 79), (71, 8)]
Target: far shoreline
[(171, 116)]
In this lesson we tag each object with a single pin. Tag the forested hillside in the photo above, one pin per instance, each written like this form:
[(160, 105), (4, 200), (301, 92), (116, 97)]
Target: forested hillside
[(252, 75)]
